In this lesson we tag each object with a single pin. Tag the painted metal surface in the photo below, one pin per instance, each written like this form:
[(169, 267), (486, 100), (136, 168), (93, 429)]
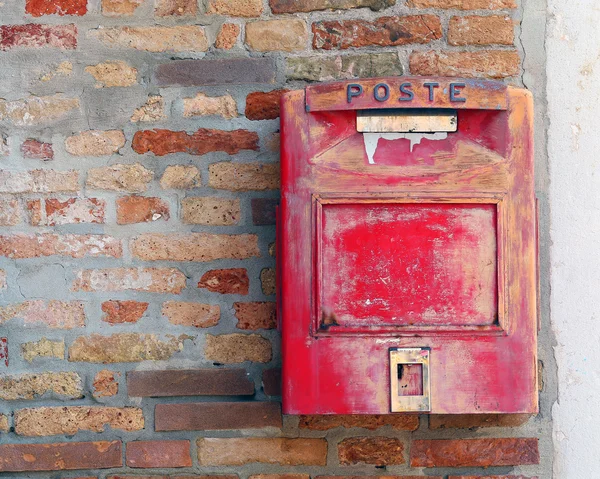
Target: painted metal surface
[(407, 242)]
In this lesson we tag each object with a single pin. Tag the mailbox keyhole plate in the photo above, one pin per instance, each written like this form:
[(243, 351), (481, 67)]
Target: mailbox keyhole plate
[(402, 361)]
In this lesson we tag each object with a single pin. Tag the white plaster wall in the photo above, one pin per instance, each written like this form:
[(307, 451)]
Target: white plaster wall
[(573, 89)]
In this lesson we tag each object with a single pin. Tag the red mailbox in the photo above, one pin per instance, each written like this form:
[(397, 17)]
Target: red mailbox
[(407, 248)]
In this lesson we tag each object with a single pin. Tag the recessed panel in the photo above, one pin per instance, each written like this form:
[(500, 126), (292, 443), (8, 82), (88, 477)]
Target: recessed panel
[(409, 264)]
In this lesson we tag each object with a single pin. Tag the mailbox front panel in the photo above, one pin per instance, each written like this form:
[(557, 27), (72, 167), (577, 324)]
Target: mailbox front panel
[(407, 261)]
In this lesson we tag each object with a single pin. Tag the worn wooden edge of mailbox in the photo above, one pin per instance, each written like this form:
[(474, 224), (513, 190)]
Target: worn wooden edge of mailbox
[(407, 92)]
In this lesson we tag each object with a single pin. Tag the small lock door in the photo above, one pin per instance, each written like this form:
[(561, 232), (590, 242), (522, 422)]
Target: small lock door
[(407, 227)]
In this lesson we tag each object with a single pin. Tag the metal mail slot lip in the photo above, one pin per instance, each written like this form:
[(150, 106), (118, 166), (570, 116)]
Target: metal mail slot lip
[(406, 121)]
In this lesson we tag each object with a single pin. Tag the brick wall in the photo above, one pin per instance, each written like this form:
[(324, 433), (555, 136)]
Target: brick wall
[(138, 180)]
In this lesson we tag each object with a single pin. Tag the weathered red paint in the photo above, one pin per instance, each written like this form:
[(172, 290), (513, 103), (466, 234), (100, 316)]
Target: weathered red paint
[(430, 247)]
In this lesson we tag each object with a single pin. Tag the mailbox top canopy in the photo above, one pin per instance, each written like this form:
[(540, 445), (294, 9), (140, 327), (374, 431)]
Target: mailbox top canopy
[(407, 92)]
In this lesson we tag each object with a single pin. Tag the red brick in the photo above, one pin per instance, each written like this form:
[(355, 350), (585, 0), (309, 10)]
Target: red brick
[(279, 476), (479, 64), (232, 176), (38, 181), (469, 421), (163, 142), (464, 4), (105, 383), (323, 423), (263, 105), (37, 8), (381, 451), (379, 477), (227, 36), (140, 209), (189, 382), (216, 416), (385, 31), (258, 315), (33, 35), (158, 454), (197, 315), (10, 212), (269, 450), (295, 6), (478, 30), (194, 247), (118, 312), (37, 150), (491, 477), (474, 452), (52, 212), (60, 456), (263, 211), (51, 314), (22, 245), (226, 281), (178, 476), (271, 382)]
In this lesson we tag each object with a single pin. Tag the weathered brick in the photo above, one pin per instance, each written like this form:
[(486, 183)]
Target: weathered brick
[(208, 416), (51, 314), (371, 422), (480, 64), (226, 281), (105, 384), (271, 450), (243, 176), (62, 69), (264, 211), (258, 315), (39, 181), (152, 110), (236, 8), (340, 67), (227, 36), (191, 314), (60, 456), (4, 148), (212, 211), (118, 312), (385, 31), (50, 421), (140, 209), (38, 8), (95, 143), (263, 105), (178, 476), (52, 211), (152, 280), (124, 348), (4, 351), (194, 247), (189, 382), (381, 451), (277, 35), (268, 281), (2, 279), (44, 348), (491, 477), (183, 177), (181, 38), (4, 427), (132, 178), (279, 476), (163, 142), (113, 73), (271, 382), (37, 150), (464, 4), (474, 452), (22, 245), (37, 110), (202, 105), (158, 454), (117, 8), (469, 421), (10, 212), (237, 348), (167, 8), (62, 385), (378, 477), (478, 30), (33, 35), (223, 71), (295, 6)]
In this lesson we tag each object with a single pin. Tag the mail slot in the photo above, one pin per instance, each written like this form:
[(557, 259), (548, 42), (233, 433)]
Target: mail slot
[(406, 248)]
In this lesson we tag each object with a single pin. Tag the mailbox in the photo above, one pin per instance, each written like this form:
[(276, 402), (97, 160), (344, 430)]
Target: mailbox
[(407, 251)]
